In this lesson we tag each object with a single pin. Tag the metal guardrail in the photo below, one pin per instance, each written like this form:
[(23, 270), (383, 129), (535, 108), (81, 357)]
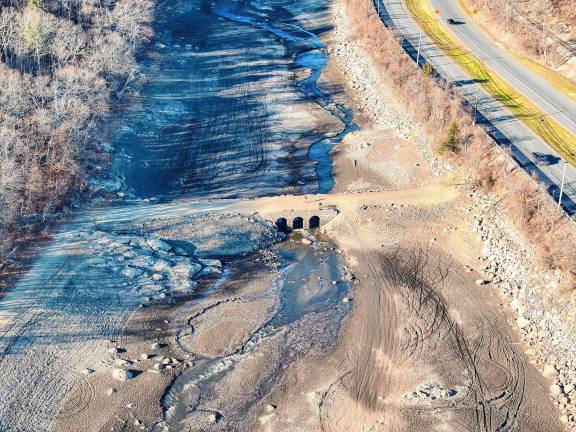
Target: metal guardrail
[(499, 134)]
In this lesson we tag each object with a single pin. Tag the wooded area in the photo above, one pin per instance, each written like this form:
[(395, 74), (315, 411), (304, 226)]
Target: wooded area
[(63, 64), (546, 29)]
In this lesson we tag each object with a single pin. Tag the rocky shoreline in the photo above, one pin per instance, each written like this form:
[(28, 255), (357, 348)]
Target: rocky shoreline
[(376, 99), (545, 319)]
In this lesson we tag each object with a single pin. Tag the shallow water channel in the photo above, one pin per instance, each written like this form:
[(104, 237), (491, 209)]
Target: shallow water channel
[(214, 117), (309, 286), (244, 163), (230, 108)]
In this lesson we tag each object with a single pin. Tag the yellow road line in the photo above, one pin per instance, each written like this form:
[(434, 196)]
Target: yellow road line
[(546, 127)]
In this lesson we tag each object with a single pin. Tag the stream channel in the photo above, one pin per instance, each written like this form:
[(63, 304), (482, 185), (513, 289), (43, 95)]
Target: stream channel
[(304, 286), (221, 115)]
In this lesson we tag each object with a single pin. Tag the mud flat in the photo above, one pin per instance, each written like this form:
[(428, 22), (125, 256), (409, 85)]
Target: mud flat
[(86, 333), (193, 315), (427, 347)]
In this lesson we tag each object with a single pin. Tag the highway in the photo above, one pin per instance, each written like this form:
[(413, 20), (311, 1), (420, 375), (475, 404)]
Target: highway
[(531, 151), (547, 97)]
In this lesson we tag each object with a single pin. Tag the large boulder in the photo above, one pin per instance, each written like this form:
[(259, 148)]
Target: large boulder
[(161, 265), (180, 275), (207, 271), (143, 261), (210, 262), (156, 244), (122, 374), (131, 272)]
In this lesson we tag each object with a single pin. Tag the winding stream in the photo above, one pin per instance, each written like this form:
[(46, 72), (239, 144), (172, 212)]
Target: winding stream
[(208, 122), (315, 58), (297, 299), (220, 116), (310, 283)]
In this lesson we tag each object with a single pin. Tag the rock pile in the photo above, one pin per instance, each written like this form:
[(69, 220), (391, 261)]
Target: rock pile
[(378, 99), (152, 266), (428, 393), (545, 319)]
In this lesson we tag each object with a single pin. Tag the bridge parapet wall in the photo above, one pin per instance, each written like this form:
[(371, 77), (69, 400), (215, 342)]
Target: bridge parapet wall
[(309, 216)]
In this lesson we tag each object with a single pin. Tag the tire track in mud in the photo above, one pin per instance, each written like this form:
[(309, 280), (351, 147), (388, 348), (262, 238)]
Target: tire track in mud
[(312, 55), (410, 280), (78, 397), (56, 333)]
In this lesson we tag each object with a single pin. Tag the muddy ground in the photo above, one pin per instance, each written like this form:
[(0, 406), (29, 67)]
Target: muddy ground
[(372, 322)]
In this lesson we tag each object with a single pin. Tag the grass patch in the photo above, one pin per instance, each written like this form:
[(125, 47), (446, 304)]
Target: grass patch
[(561, 83)]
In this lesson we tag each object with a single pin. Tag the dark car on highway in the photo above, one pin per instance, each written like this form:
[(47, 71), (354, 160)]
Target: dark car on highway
[(451, 21)]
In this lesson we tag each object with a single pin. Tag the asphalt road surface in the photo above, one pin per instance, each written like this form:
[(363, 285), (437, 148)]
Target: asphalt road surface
[(528, 149)]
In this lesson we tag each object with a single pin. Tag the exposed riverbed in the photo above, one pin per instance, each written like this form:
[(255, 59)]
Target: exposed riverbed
[(308, 287), (231, 108)]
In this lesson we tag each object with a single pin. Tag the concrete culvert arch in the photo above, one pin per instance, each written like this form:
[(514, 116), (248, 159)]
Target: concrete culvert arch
[(314, 222), (282, 224), (298, 223)]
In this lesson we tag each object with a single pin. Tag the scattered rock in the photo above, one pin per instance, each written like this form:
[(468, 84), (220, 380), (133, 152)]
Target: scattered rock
[(206, 271), (306, 241), (160, 265), (122, 374), (210, 262), (522, 322), (555, 389), (269, 408), (143, 261), (131, 272), (181, 274), (111, 391), (345, 300), (156, 244), (549, 371)]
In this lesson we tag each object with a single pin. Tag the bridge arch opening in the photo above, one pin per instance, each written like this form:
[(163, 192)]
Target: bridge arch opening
[(314, 222), (298, 223), (282, 224)]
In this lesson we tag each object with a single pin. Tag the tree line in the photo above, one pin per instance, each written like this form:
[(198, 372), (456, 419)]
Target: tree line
[(63, 64)]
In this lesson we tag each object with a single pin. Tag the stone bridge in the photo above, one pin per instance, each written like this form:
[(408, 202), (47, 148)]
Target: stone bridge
[(297, 211)]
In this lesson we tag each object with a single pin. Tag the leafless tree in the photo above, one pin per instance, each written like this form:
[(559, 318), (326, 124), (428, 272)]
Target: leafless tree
[(62, 64)]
